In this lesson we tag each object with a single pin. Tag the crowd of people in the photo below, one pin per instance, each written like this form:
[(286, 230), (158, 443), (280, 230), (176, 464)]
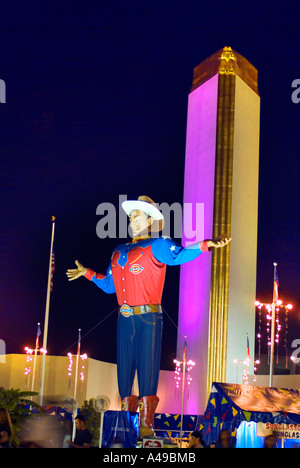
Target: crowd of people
[(43, 431), (224, 440), (196, 440), (45, 434)]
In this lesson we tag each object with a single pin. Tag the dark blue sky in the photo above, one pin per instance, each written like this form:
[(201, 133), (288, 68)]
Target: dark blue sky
[(96, 107)]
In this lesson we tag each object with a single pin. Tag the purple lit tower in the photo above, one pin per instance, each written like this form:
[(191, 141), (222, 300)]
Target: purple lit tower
[(217, 290)]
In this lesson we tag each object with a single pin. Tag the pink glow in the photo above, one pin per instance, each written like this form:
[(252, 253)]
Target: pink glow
[(195, 276)]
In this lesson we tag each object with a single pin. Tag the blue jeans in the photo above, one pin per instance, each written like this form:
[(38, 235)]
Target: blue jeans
[(139, 348)]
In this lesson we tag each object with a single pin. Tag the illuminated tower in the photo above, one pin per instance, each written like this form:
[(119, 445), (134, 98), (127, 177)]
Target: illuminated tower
[(217, 290)]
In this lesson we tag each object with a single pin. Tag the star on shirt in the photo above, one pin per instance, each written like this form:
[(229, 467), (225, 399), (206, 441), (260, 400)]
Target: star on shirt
[(110, 272), (172, 248)]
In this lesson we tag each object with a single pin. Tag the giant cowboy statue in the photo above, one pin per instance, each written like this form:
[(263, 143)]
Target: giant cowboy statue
[(136, 273)]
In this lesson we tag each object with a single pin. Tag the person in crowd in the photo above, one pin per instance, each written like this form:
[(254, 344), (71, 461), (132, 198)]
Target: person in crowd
[(270, 441), (6, 430), (195, 440), (41, 430), (224, 440), (83, 436), (68, 427)]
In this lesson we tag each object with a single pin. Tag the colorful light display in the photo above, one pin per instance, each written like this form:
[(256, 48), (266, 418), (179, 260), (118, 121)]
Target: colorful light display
[(267, 309), (83, 357), (29, 358), (179, 372)]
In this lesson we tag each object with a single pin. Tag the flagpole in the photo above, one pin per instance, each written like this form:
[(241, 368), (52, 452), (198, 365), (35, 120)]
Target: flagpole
[(45, 336), (272, 330), (182, 395), (34, 362), (77, 362), (75, 385), (247, 362)]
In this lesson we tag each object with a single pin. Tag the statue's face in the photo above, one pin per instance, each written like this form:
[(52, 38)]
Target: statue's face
[(139, 222)]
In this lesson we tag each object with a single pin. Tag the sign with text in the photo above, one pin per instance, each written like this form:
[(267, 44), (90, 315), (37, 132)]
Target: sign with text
[(281, 431), (153, 442)]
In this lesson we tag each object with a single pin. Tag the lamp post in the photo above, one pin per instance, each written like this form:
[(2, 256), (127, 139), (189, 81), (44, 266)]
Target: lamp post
[(272, 308)]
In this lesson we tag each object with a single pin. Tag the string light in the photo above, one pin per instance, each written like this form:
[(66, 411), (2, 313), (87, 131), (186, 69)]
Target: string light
[(178, 370), (27, 371), (255, 369), (83, 357), (70, 366), (70, 355), (278, 327), (259, 327), (29, 358), (246, 363)]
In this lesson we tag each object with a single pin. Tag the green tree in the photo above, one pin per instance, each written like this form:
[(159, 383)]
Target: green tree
[(92, 418), (14, 401)]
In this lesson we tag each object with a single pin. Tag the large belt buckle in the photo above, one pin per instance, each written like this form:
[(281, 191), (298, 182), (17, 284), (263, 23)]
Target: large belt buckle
[(126, 310)]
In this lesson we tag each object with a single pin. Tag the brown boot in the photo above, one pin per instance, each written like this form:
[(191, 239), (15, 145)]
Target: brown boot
[(147, 407), (129, 403)]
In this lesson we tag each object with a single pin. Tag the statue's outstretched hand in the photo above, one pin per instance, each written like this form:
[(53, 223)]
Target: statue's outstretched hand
[(219, 242), (76, 272)]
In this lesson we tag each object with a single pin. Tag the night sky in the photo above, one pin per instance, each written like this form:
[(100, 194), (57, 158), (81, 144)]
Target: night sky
[(96, 107)]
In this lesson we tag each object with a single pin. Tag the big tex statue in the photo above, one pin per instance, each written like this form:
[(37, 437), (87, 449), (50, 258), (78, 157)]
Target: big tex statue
[(136, 273)]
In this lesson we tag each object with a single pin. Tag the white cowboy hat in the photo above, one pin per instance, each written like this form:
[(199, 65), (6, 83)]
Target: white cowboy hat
[(145, 204)]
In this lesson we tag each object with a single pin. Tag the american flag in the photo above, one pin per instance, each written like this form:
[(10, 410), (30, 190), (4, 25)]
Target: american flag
[(52, 270), (248, 348), (79, 341), (276, 284), (38, 334), (184, 350)]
